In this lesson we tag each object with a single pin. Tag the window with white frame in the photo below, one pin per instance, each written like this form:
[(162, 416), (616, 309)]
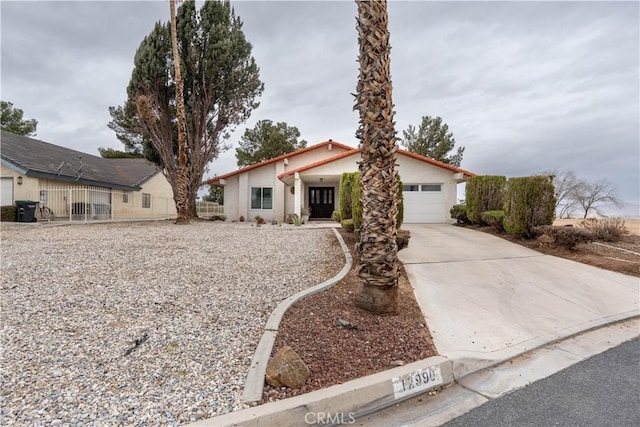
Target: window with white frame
[(261, 198), (146, 200)]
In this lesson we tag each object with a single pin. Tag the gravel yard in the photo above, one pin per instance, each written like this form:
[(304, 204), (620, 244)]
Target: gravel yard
[(142, 323)]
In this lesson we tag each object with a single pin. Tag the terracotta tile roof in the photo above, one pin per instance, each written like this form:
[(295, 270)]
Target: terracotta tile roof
[(357, 150), (216, 179)]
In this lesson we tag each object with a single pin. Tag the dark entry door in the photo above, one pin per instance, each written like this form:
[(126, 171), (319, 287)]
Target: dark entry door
[(321, 202)]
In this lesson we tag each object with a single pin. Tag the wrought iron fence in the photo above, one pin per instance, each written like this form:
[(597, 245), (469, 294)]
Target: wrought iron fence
[(93, 203)]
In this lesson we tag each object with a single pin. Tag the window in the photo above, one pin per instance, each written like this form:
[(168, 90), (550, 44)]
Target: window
[(411, 187), (125, 197), (432, 187), (261, 198), (146, 200)]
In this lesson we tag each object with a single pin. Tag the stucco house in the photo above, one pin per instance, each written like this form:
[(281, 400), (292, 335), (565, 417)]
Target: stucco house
[(310, 177), (77, 186)]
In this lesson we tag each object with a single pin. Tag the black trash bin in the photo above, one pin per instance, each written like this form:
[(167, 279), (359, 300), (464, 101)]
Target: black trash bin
[(26, 211)]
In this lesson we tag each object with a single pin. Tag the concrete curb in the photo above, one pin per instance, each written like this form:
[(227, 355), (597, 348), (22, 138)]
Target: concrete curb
[(254, 383), (343, 403)]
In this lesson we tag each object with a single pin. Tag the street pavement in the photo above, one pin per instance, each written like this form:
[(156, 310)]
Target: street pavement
[(601, 391)]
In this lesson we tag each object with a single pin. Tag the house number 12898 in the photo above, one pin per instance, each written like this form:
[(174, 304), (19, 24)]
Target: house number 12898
[(422, 379)]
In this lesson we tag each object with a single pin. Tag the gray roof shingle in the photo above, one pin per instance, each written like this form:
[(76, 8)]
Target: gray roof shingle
[(44, 160)]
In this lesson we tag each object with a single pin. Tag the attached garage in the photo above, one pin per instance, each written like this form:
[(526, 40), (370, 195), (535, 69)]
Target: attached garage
[(424, 204), (6, 192)]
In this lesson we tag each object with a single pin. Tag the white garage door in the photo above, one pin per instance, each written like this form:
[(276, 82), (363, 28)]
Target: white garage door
[(423, 203), (6, 191)]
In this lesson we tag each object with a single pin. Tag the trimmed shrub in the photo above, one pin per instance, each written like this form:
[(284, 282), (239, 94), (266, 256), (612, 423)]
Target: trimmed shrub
[(569, 237), (494, 219), (529, 202), (402, 239), (607, 229), (400, 214), (347, 224), (8, 213), (346, 194), (459, 213), (336, 216), (356, 202), (484, 193)]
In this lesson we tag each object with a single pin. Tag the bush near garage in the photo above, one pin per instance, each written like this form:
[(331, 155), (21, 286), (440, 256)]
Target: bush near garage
[(530, 202), (484, 193), (459, 213), (8, 213), (494, 219), (346, 191)]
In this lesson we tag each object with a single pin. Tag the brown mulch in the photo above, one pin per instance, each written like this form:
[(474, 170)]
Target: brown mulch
[(587, 253), (336, 354)]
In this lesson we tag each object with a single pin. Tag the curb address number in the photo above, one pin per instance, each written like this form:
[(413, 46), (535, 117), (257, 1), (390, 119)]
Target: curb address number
[(416, 381)]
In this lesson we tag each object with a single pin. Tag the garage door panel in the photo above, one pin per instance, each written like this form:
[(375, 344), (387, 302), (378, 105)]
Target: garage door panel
[(424, 207), (6, 192)]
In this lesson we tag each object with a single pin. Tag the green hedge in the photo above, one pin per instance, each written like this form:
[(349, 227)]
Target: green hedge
[(347, 224), (400, 214), (346, 193), (484, 193), (530, 202), (494, 219), (8, 213), (459, 213), (356, 201)]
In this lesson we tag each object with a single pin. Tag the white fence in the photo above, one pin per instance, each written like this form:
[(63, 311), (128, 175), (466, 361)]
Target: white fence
[(92, 203)]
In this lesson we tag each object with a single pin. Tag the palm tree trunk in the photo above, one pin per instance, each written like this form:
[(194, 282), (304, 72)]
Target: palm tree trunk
[(182, 198), (377, 248)]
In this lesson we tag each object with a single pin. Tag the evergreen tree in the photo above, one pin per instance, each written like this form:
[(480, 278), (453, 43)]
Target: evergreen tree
[(12, 121), (432, 139), (267, 140), (220, 85)]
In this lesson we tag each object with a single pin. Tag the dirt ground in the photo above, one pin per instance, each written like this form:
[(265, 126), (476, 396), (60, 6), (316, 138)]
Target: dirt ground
[(335, 354), (622, 257)]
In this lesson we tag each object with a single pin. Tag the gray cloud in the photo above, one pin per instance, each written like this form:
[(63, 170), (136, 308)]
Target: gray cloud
[(525, 86)]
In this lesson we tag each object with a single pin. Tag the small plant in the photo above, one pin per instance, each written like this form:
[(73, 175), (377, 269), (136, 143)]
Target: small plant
[(607, 229), (297, 221), (459, 213), (347, 224), (8, 213), (290, 218), (241, 219), (305, 211), (259, 220), (569, 237), (336, 216), (494, 219)]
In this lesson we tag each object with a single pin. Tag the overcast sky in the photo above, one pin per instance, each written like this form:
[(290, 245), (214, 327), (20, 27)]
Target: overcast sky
[(525, 86)]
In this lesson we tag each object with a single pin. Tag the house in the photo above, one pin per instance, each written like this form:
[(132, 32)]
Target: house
[(310, 177), (75, 185)]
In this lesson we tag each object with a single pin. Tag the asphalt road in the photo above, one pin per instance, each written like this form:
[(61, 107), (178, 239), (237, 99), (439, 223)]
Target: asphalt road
[(601, 391)]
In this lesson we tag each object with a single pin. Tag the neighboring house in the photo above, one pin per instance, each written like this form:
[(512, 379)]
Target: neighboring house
[(76, 185), (310, 177)]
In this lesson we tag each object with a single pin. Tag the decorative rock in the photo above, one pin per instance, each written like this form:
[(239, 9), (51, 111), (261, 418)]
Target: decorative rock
[(287, 368), (397, 363)]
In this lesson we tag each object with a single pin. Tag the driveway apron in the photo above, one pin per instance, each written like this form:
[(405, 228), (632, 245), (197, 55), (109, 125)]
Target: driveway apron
[(487, 300)]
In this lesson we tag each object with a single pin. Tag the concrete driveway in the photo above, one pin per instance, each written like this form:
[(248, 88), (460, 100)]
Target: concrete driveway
[(487, 300)]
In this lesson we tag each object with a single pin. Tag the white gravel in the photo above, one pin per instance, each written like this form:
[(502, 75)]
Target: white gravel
[(74, 300)]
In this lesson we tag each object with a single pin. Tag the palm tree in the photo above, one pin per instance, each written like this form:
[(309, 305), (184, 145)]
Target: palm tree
[(377, 248), (182, 198)]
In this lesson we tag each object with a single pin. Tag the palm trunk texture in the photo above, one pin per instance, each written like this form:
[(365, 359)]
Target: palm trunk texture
[(377, 248), (182, 198)]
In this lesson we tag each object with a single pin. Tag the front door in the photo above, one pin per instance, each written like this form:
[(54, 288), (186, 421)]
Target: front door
[(321, 202)]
